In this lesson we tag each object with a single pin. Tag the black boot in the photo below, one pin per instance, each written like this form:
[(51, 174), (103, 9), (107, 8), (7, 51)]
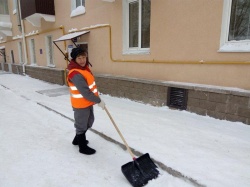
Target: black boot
[(83, 148), (75, 142)]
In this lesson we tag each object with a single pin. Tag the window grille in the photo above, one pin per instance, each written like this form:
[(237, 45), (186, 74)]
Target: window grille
[(177, 98)]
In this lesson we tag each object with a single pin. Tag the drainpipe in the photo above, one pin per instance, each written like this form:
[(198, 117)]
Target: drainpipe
[(23, 37)]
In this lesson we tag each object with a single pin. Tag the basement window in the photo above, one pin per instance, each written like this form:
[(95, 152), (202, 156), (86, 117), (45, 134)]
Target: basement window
[(177, 98)]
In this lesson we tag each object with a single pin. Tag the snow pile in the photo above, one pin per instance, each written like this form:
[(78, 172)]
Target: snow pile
[(78, 11), (36, 147)]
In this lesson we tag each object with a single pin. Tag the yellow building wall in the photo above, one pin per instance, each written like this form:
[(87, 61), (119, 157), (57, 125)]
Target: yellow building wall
[(184, 33)]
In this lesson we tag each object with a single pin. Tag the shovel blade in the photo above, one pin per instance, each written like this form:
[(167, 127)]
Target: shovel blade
[(140, 171)]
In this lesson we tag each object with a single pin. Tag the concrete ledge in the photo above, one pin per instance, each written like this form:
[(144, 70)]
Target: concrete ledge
[(52, 75), (189, 86), (223, 103)]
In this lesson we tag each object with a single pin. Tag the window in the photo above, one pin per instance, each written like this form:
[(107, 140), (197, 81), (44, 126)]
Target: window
[(3, 54), (49, 50), (32, 51), (239, 28), (77, 7), (4, 7), (235, 32), (80, 3), (14, 6), (12, 57), (136, 15), (20, 52)]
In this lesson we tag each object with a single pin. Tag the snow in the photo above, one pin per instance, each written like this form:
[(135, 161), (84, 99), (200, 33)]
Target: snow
[(236, 46), (37, 130), (6, 24), (32, 33), (111, 1), (70, 36), (17, 37), (35, 19), (95, 26), (78, 11), (73, 30)]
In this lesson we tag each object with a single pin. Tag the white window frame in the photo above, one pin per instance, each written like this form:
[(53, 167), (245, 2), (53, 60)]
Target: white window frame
[(126, 48), (76, 11), (32, 48), (230, 46), (20, 52), (49, 53)]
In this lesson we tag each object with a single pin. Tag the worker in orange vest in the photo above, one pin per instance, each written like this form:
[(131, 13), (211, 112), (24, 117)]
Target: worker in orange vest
[(83, 95)]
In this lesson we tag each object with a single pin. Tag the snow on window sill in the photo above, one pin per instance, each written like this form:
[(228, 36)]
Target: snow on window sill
[(14, 11), (136, 51), (51, 65), (236, 46), (78, 11)]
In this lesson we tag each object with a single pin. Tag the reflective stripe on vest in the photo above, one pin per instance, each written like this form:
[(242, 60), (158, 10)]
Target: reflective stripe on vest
[(73, 88)]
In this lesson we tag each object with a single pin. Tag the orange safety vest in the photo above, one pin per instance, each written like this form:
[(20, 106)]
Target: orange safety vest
[(77, 99)]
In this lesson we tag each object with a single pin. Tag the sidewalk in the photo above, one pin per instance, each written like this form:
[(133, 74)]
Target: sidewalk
[(200, 150)]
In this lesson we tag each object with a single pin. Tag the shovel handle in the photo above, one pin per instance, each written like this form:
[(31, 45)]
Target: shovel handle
[(119, 132)]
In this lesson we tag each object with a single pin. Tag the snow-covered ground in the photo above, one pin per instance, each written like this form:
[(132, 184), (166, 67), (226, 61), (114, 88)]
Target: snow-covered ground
[(36, 147)]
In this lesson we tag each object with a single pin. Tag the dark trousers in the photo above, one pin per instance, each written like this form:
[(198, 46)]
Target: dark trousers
[(84, 119)]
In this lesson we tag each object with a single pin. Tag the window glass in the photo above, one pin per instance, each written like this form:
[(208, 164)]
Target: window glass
[(80, 3), (145, 24), (14, 6), (20, 52), (239, 28), (32, 51), (49, 50), (137, 25), (133, 24), (4, 7)]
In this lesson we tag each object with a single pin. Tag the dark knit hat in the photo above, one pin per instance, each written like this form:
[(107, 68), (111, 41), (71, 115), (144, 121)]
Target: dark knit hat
[(75, 52)]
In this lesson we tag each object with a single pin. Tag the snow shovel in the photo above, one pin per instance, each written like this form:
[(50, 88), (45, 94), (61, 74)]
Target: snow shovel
[(141, 169)]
